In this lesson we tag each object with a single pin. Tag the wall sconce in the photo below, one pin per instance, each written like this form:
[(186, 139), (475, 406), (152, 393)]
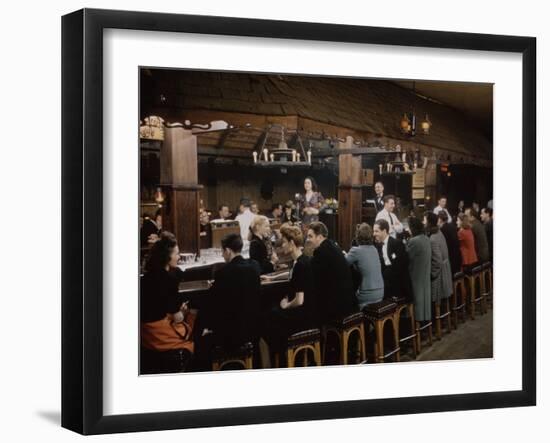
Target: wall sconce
[(426, 125)]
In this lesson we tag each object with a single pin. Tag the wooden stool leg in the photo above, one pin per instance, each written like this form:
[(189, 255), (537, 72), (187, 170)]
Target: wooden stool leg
[(317, 353), (437, 321), (344, 340), (396, 341), (363, 344), (472, 302), (448, 306), (277, 359), (430, 339), (290, 358), (418, 338), (454, 304), (379, 347), (413, 328)]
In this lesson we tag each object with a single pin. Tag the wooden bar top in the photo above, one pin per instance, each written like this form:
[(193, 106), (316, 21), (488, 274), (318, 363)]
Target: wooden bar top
[(271, 279)]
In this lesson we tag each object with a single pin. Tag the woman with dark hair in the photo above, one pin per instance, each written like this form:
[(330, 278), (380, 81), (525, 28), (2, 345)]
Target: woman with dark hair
[(467, 241), (366, 260), (261, 248), (297, 311), (166, 322), (311, 202)]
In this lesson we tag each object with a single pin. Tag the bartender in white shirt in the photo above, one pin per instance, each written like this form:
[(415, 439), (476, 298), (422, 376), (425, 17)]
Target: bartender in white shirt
[(442, 206), (396, 227), (245, 218)]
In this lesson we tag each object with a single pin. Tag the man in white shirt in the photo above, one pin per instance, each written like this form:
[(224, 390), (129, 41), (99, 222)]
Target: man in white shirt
[(396, 227), (245, 218), (442, 206)]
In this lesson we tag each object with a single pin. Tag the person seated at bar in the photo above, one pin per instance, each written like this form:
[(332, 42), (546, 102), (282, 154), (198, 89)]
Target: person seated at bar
[(254, 208), (442, 278), (396, 227), (333, 285), (487, 219), (442, 207), (364, 257), (229, 313), (394, 260), (223, 212), (151, 229), (261, 248), (467, 242), (276, 211), (480, 236), (298, 311), (205, 232), (289, 216), (419, 252), (449, 231), (245, 217), (166, 322)]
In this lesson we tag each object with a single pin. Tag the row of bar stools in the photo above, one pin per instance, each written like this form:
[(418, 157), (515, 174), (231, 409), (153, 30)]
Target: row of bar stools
[(304, 341), (487, 279), (438, 316), (241, 357), (475, 291), (458, 298), (344, 329), (405, 306), (378, 314)]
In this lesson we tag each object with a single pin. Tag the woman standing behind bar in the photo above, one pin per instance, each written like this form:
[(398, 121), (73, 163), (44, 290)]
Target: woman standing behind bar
[(166, 323), (261, 249), (299, 312), (467, 242), (367, 261), (311, 201)]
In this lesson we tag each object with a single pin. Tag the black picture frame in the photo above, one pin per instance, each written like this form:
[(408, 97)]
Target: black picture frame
[(82, 190)]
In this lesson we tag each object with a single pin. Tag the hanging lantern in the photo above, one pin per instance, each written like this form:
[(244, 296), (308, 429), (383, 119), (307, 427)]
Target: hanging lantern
[(426, 125), (406, 124)]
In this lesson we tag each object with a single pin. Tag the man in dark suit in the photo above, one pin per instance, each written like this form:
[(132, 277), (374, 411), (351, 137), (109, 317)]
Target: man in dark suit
[(229, 316), (333, 285), (449, 231), (395, 262), (379, 198)]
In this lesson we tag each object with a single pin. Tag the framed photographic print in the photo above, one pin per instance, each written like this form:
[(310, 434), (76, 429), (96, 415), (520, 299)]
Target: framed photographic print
[(269, 221)]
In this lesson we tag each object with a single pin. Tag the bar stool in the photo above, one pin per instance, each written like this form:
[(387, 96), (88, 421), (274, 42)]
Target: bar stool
[(458, 298), (302, 342), (353, 324), (487, 279), (378, 314), (242, 356), (438, 316), (404, 306), (476, 291)]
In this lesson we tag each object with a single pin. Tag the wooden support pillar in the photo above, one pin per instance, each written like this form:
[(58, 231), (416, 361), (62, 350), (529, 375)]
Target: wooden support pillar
[(349, 194), (179, 179), (430, 188)]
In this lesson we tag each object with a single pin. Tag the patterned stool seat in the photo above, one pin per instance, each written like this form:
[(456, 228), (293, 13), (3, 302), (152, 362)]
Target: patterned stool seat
[(379, 310), (302, 342), (242, 355), (344, 329)]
